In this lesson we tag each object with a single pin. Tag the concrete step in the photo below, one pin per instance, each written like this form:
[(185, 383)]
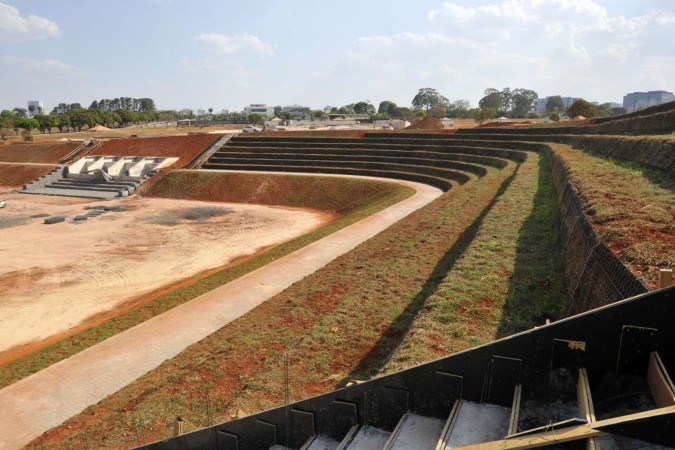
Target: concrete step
[(92, 187), (415, 432), (74, 193), (93, 182), (368, 438), (322, 443), (476, 423)]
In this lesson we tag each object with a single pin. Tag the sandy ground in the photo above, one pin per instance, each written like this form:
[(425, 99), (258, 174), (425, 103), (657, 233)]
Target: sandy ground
[(54, 277)]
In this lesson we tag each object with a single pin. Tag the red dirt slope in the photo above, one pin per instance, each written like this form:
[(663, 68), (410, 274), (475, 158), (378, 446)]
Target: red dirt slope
[(49, 153), (19, 174), (186, 148)]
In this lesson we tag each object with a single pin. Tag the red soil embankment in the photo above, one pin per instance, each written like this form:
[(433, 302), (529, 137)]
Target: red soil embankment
[(19, 174), (185, 148), (49, 153), (340, 195)]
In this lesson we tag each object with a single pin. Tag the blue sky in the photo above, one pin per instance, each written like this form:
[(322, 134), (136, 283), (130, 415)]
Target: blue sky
[(227, 54)]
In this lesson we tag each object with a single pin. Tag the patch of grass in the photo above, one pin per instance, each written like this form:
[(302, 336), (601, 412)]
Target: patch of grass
[(630, 207), (507, 279), (388, 195)]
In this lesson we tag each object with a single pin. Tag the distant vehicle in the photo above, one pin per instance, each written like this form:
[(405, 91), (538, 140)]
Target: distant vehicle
[(251, 129), (3, 203), (387, 127)]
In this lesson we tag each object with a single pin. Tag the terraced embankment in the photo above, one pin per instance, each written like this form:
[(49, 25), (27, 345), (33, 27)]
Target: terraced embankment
[(339, 323), (479, 262)]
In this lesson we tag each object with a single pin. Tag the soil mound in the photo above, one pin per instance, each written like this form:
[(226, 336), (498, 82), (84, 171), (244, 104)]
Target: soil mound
[(426, 123)]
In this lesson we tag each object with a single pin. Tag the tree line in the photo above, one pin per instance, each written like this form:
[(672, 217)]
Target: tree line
[(122, 111)]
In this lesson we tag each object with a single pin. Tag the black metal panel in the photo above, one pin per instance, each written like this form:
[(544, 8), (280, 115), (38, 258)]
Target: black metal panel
[(635, 346), (569, 355), (343, 416), (385, 406), (434, 393), (227, 441), (301, 427), (504, 375), (656, 430)]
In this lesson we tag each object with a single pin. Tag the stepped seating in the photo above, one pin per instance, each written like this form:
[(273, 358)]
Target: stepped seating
[(102, 177), (571, 382), (439, 163)]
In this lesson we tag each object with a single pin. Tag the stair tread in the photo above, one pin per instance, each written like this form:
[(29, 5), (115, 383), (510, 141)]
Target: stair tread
[(418, 432), (369, 438), (323, 443), (478, 423)]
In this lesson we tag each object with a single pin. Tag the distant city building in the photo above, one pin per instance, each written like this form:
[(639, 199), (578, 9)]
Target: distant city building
[(638, 100), (298, 112), (259, 108), (224, 111), (35, 108), (200, 113), (185, 112)]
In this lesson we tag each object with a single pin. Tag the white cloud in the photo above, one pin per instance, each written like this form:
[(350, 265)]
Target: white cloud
[(51, 66), (237, 44), (15, 27)]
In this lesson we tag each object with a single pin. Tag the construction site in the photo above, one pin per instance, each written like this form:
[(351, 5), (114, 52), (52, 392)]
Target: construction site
[(499, 287)]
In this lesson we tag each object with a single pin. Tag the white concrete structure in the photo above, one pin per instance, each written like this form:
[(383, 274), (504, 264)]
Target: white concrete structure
[(118, 168), (35, 108), (447, 122), (259, 108)]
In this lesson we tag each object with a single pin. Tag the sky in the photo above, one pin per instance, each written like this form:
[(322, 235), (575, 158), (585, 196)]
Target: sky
[(203, 54)]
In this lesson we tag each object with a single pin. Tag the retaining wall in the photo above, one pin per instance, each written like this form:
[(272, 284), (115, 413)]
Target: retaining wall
[(593, 275)]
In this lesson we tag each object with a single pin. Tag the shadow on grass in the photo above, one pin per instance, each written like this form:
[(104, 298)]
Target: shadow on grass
[(536, 290), (393, 337)]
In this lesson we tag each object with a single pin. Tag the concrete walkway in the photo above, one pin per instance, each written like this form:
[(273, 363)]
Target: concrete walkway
[(48, 398)]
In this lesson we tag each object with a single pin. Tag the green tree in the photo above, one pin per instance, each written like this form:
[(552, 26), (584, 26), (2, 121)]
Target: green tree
[(427, 98), (403, 113), (6, 124), (459, 108), (522, 102), (581, 107), (604, 110), (387, 107), (438, 111), (482, 114), (256, 119), (46, 122), (554, 116), (20, 112), (364, 108), (492, 99), (555, 104)]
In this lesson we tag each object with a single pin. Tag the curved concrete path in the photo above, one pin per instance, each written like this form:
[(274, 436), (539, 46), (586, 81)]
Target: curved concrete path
[(48, 398)]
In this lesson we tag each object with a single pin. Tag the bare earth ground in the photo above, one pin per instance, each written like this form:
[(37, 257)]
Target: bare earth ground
[(54, 277)]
